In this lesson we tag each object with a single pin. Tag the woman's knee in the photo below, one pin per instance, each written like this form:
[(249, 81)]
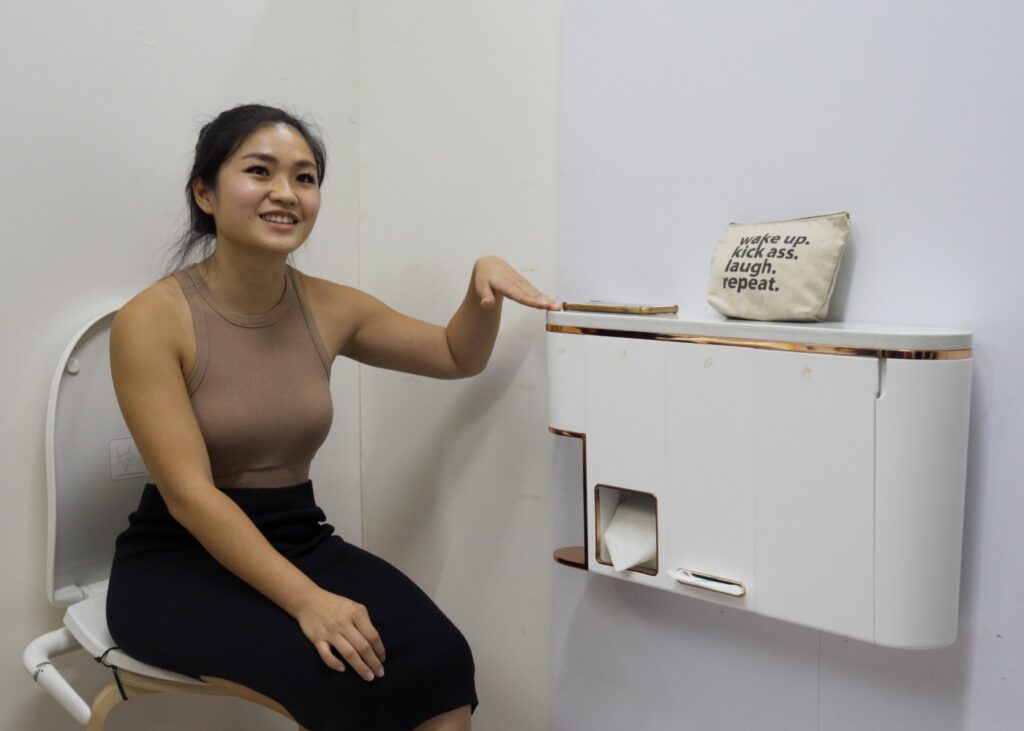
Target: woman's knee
[(456, 720)]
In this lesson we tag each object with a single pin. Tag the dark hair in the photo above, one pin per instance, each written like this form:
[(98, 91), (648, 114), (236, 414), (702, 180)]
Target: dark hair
[(218, 140)]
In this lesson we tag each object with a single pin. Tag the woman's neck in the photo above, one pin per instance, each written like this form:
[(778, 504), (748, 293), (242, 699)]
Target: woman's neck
[(244, 284)]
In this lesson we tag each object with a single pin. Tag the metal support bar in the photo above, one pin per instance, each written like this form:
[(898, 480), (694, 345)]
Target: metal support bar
[(36, 660)]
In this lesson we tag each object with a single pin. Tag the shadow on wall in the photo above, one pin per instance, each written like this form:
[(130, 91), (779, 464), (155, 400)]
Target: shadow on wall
[(666, 630), (978, 460), (844, 279)]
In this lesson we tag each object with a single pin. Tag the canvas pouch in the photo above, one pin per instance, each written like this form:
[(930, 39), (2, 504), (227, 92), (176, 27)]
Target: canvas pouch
[(779, 270)]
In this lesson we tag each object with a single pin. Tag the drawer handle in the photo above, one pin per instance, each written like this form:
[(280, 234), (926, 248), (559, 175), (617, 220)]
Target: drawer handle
[(709, 582)]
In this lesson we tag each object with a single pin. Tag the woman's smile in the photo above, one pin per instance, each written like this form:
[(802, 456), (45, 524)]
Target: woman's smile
[(280, 221)]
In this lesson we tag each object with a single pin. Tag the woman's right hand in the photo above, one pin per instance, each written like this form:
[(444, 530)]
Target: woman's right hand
[(330, 620)]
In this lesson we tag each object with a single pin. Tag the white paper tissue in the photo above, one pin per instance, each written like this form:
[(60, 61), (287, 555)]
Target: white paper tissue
[(632, 537)]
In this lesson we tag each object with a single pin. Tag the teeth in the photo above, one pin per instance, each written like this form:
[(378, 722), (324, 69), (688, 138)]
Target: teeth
[(278, 219)]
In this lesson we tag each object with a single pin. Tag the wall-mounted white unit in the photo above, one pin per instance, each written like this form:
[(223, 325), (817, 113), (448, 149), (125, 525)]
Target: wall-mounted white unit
[(813, 473)]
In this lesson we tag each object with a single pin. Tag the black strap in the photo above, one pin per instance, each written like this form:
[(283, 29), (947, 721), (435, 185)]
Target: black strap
[(102, 660)]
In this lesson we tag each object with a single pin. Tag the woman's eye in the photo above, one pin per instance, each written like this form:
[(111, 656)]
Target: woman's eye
[(307, 178), (257, 169)]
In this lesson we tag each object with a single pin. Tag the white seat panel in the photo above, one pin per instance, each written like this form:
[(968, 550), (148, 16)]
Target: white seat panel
[(87, 621)]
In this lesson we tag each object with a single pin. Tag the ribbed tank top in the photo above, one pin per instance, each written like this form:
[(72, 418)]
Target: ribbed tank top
[(260, 386)]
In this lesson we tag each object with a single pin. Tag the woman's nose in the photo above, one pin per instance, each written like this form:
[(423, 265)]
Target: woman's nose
[(282, 190)]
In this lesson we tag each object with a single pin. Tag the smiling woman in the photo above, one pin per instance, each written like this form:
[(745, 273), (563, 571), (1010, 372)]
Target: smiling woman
[(219, 141), (227, 571), (267, 194)]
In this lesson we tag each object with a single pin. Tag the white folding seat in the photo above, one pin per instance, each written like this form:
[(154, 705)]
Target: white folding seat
[(94, 478)]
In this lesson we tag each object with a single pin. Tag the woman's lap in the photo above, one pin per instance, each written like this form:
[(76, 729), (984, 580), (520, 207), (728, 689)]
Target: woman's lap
[(183, 611)]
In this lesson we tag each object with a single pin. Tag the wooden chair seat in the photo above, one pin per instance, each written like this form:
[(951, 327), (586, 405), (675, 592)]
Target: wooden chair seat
[(87, 621)]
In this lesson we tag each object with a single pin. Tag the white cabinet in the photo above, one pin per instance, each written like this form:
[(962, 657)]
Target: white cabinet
[(814, 424), (709, 402), (812, 473), (625, 385)]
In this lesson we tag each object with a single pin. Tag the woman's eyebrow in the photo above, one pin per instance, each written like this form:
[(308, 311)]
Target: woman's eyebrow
[(264, 157)]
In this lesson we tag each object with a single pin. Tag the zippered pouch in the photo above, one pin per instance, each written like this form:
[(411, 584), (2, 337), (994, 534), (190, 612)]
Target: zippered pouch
[(778, 270)]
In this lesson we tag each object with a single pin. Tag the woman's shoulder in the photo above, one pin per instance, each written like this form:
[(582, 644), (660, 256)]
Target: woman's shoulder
[(162, 307), (329, 296), (338, 309), (320, 287), (160, 299)]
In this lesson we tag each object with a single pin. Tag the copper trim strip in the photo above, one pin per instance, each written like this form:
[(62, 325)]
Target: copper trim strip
[(621, 309), (769, 344), (566, 433), (575, 556)]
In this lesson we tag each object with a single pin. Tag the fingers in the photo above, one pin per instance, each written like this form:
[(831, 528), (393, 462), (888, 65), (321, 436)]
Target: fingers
[(359, 654), (526, 294), (330, 660), (367, 630), (350, 634), (495, 277), (362, 636)]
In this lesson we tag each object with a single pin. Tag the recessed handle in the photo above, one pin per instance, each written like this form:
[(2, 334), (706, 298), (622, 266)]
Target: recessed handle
[(709, 582)]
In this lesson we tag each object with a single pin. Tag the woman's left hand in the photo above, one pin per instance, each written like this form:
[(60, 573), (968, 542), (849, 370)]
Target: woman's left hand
[(493, 277)]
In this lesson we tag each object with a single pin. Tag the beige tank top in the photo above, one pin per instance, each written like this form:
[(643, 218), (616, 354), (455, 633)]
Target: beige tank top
[(260, 386)]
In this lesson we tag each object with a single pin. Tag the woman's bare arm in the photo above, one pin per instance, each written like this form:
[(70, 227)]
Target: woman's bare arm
[(379, 336)]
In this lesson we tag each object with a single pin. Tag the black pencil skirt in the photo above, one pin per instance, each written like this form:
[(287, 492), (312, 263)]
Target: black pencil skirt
[(171, 604)]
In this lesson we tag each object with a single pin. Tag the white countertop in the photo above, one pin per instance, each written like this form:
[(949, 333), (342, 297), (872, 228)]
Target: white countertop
[(841, 334)]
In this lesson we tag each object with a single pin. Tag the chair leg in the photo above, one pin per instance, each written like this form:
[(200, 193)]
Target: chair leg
[(104, 703)]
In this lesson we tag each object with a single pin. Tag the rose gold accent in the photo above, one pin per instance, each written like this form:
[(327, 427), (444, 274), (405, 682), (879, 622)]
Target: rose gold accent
[(575, 556), (134, 685), (569, 559), (769, 344), (567, 433), (719, 579), (622, 309), (597, 527)]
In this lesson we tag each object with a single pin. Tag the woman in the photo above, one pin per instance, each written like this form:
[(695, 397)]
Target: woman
[(227, 571)]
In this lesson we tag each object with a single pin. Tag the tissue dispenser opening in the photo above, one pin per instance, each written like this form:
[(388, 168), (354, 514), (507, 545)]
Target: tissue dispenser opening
[(631, 538)]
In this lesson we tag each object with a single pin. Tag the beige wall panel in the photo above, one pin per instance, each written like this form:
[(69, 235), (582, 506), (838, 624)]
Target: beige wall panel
[(99, 125), (459, 124)]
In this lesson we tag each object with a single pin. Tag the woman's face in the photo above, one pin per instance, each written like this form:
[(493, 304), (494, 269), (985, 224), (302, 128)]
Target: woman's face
[(267, 193)]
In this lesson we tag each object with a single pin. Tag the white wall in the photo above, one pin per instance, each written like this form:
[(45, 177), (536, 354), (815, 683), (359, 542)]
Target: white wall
[(459, 108), (102, 104), (679, 117)]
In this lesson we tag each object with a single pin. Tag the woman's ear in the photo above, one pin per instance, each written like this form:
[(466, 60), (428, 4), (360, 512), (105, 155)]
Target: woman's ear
[(203, 195)]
